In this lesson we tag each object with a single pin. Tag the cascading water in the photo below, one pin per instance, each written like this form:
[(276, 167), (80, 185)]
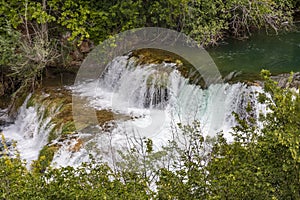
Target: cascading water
[(30, 130), (155, 97)]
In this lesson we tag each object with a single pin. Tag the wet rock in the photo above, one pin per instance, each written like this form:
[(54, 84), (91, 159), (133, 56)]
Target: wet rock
[(157, 99), (158, 56), (255, 83), (283, 80), (77, 146), (4, 123), (232, 75), (105, 116)]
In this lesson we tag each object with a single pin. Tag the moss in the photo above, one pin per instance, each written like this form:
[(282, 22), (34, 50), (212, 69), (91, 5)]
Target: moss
[(158, 56), (104, 116), (45, 158), (68, 128), (47, 113), (59, 105), (55, 103), (30, 102), (52, 134)]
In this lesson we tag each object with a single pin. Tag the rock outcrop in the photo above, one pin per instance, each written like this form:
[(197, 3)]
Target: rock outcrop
[(283, 80)]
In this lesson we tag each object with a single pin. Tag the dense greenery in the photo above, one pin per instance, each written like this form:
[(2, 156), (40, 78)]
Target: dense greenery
[(258, 164), (204, 20)]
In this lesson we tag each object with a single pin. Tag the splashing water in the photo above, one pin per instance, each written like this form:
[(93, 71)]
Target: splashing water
[(155, 97), (30, 130)]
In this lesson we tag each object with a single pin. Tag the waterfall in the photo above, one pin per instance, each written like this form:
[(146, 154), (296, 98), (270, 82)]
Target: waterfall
[(137, 90), (153, 97), (30, 130), (156, 97)]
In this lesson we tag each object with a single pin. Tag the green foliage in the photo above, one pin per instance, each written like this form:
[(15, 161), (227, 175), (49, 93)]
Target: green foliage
[(72, 15), (189, 179), (45, 158), (23, 60), (246, 14), (284, 104), (8, 45), (204, 20), (88, 181), (19, 11), (141, 161)]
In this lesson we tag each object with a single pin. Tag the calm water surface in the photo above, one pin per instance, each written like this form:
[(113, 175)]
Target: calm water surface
[(278, 53)]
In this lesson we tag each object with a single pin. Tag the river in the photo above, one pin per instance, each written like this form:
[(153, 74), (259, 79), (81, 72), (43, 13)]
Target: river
[(277, 53)]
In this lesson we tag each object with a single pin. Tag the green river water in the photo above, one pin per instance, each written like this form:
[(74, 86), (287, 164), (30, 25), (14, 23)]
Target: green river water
[(277, 53)]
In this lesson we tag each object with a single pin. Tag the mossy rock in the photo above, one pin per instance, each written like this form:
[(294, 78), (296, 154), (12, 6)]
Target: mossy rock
[(45, 158), (58, 103), (17, 101), (105, 116), (158, 56)]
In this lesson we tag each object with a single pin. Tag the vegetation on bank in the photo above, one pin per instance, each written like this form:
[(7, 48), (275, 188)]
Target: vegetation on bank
[(35, 35), (258, 164)]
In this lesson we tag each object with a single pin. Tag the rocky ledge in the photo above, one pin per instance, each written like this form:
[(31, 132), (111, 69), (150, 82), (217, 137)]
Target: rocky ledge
[(288, 80)]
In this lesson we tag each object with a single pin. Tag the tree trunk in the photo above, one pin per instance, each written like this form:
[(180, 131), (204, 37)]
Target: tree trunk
[(44, 26)]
